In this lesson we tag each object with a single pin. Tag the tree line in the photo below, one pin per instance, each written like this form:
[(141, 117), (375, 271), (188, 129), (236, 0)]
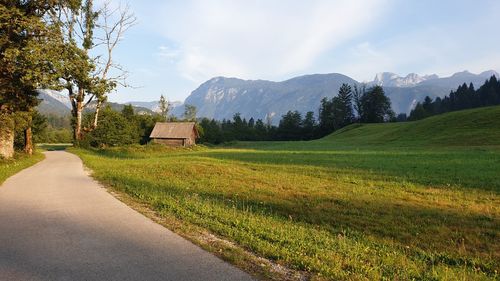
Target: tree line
[(465, 97), (352, 104)]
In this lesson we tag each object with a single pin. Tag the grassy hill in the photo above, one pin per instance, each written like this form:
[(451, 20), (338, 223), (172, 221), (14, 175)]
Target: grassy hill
[(474, 127), (466, 128)]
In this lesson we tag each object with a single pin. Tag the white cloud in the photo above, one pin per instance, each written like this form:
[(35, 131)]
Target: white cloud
[(441, 50), (168, 53), (260, 39)]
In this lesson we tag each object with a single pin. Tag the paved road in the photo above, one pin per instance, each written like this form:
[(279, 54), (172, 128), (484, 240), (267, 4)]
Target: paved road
[(56, 223)]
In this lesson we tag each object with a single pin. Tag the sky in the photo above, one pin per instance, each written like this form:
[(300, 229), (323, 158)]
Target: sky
[(178, 45)]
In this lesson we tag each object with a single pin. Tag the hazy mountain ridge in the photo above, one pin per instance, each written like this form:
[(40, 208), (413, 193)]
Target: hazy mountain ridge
[(154, 106), (56, 103), (220, 97)]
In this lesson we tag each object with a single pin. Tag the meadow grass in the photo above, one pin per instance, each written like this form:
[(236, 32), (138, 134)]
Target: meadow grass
[(19, 162), (358, 204), (339, 214)]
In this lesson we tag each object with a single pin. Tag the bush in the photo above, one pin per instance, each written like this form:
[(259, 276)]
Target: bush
[(113, 130)]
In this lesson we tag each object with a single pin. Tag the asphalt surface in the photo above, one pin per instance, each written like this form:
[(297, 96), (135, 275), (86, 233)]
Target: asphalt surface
[(57, 223)]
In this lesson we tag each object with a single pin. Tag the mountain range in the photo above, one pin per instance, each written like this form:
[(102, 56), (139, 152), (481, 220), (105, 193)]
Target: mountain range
[(222, 97), (57, 103)]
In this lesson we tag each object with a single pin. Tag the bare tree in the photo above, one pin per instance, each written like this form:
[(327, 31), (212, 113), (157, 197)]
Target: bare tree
[(113, 25)]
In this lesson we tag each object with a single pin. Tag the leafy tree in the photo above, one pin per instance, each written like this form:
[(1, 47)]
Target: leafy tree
[(290, 127), (190, 112), (401, 117), (28, 57), (358, 93), (86, 70), (428, 106), (164, 106), (309, 126), (465, 96), (342, 107), (375, 106), (260, 130), (418, 113), (128, 112), (114, 129), (146, 124), (326, 116), (251, 123)]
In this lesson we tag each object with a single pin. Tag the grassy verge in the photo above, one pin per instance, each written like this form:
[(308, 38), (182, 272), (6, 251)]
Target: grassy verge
[(18, 163), (336, 212)]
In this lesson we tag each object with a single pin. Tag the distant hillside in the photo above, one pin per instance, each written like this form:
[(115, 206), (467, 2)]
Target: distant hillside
[(118, 107), (51, 102), (55, 103), (154, 105), (221, 97), (474, 127)]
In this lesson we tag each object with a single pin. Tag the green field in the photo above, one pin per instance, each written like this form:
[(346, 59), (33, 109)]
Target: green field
[(20, 162), (417, 200)]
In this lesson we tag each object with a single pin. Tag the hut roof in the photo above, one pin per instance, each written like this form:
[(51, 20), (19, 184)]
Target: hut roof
[(173, 130)]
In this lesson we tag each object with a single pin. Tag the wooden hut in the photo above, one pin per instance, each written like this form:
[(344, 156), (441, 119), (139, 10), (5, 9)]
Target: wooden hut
[(174, 133)]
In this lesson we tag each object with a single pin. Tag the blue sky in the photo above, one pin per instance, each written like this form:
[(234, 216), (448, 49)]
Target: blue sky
[(177, 45)]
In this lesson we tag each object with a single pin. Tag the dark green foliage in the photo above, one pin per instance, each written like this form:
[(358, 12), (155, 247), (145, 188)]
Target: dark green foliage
[(375, 106), (464, 97), (290, 127), (51, 128), (401, 117), (418, 113), (342, 107), (120, 128), (359, 91), (212, 131), (309, 126), (21, 122), (190, 112), (326, 116), (164, 107), (334, 114), (114, 129), (128, 112)]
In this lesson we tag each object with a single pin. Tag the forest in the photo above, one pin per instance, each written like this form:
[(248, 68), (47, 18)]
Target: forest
[(464, 97)]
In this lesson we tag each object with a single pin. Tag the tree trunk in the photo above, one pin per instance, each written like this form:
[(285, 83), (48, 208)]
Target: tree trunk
[(28, 140), (77, 115), (96, 114), (6, 137)]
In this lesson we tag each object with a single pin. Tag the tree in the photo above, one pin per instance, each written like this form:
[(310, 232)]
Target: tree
[(342, 107), (114, 129), (93, 35), (418, 113), (29, 53), (326, 116), (309, 125), (163, 106), (260, 130), (128, 112), (190, 112), (290, 127), (375, 106), (465, 96), (428, 106), (358, 93)]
